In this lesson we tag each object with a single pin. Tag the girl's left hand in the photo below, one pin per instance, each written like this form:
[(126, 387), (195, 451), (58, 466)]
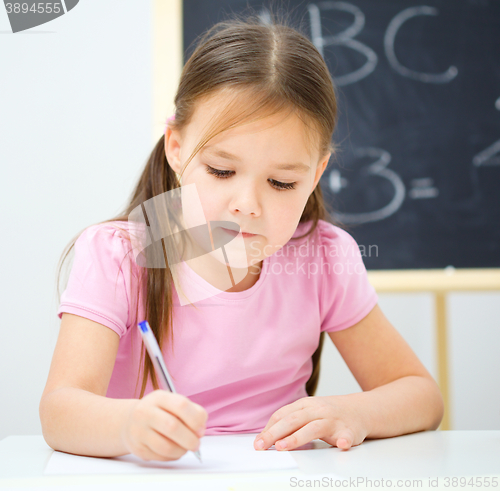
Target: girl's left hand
[(333, 419)]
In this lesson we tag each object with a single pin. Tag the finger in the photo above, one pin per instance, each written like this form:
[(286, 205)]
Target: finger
[(284, 427), (145, 453), (163, 446), (307, 433), (284, 411), (345, 439), (191, 414), (275, 417), (171, 427)]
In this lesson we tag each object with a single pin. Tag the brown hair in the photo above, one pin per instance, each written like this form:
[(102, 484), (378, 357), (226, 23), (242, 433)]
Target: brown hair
[(276, 67)]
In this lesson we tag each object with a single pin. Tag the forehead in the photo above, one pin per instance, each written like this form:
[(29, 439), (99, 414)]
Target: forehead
[(283, 131)]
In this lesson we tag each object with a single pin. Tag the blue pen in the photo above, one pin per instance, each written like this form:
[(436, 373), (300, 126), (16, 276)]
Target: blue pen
[(157, 358)]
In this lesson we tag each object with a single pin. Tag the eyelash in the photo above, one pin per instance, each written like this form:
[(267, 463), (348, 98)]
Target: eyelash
[(224, 174)]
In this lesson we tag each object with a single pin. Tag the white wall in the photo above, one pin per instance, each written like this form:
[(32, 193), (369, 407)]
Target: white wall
[(76, 129), (474, 359)]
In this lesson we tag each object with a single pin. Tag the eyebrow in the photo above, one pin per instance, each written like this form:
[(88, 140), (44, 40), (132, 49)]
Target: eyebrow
[(297, 166)]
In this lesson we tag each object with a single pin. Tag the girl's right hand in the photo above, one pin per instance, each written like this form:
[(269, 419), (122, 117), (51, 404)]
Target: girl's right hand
[(164, 426)]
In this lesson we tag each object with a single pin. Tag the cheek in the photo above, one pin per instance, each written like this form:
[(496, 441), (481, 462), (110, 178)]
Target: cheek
[(285, 221), (288, 212), (210, 202)]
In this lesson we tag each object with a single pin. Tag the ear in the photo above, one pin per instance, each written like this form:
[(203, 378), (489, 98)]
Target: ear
[(320, 169), (173, 148)]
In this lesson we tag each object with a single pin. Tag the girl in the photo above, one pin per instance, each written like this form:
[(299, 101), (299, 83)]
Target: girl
[(254, 119)]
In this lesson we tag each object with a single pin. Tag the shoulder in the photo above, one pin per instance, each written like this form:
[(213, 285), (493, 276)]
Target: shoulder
[(106, 231), (346, 293), (326, 246), (332, 236), (325, 233), (114, 231), (106, 241), (100, 285), (333, 248)]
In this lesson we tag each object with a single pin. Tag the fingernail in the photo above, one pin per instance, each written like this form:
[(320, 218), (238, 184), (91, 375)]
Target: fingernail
[(260, 444), (282, 444)]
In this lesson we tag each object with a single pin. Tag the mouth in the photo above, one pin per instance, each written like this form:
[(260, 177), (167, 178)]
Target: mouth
[(233, 233)]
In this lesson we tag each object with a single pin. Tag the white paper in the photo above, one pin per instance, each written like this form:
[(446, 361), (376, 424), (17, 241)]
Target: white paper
[(219, 453)]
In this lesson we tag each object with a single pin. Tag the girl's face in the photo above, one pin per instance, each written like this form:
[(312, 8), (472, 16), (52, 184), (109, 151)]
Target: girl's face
[(258, 176)]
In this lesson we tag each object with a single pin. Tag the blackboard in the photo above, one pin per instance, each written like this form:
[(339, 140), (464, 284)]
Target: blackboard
[(417, 177)]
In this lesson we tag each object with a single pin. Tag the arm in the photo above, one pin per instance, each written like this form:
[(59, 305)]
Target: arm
[(399, 395), (76, 416)]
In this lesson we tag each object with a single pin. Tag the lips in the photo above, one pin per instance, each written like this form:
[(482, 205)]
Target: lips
[(234, 233)]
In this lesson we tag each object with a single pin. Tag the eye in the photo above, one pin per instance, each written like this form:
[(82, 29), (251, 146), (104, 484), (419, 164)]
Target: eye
[(221, 174), (282, 186), (224, 174)]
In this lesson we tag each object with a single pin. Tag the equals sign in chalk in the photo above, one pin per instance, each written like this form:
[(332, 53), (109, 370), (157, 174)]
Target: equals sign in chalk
[(423, 188)]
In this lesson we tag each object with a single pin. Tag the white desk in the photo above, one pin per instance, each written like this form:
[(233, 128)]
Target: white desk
[(418, 456)]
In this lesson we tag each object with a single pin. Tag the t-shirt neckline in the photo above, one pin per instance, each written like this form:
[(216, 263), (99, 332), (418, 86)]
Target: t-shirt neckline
[(229, 296)]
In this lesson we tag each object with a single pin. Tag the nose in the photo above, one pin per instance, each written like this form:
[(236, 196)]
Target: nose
[(246, 202)]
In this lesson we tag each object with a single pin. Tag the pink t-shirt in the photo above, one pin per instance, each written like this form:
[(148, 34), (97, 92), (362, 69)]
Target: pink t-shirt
[(241, 355)]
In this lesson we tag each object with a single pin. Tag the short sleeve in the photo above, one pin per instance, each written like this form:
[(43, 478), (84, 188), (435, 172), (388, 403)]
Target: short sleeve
[(97, 285), (346, 295)]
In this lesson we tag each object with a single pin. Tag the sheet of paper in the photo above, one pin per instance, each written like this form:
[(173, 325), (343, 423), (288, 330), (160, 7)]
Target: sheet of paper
[(219, 453)]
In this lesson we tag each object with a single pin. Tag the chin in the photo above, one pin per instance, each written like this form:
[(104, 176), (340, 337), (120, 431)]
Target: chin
[(236, 259)]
